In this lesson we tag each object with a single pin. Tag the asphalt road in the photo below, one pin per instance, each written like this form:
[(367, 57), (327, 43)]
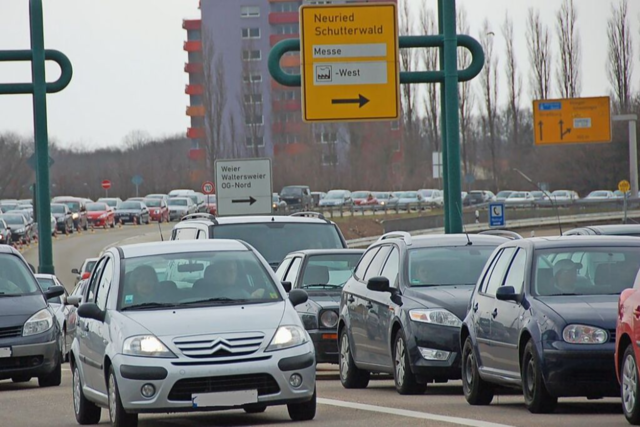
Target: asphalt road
[(26, 405)]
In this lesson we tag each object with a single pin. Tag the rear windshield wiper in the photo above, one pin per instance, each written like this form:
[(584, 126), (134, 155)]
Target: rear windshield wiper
[(147, 305)]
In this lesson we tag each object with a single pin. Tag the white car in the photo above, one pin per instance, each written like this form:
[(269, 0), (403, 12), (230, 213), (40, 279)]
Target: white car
[(601, 195), (432, 197), (520, 199), (564, 196)]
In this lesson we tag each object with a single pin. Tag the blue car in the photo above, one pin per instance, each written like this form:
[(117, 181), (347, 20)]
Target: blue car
[(543, 318)]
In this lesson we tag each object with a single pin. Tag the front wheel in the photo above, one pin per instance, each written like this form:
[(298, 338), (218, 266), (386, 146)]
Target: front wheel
[(629, 387), (303, 411), (350, 375), (404, 379), (86, 411), (119, 417), (476, 390), (536, 397)]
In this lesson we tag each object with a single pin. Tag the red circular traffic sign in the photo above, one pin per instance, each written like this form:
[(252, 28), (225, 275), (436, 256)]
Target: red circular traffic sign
[(208, 187), (106, 184)]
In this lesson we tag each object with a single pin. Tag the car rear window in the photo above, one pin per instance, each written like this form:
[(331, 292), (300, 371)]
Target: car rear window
[(446, 266), (15, 277)]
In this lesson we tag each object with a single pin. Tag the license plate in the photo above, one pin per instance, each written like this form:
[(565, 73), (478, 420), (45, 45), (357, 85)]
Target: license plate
[(228, 398), (5, 352)]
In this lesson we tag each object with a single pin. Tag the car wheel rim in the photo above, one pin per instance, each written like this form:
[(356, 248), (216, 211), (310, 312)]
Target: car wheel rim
[(400, 367), (76, 391), (344, 357), (629, 384), (468, 369), (530, 378), (112, 398)]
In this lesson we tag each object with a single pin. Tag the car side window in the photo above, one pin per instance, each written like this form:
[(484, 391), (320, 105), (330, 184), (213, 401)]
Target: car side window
[(186, 234), (282, 269), (364, 263), (376, 264), (202, 235), (293, 271), (516, 274), (102, 291), (391, 267), (499, 271), (95, 278)]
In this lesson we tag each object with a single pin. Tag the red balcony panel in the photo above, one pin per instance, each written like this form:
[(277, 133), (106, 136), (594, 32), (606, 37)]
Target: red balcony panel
[(290, 149), (193, 46), (283, 18), (193, 67), (275, 38), (197, 154), (293, 105), (195, 133), (194, 90), (192, 24)]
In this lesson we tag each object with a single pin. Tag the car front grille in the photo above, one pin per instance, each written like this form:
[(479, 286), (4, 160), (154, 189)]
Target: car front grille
[(265, 384), (220, 346), (12, 332), (20, 362)]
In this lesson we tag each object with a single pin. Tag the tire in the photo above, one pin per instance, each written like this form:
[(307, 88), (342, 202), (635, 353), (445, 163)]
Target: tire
[(305, 411), (54, 378), (86, 412), (86, 226), (629, 387), (119, 417), (113, 223), (255, 409), (21, 379), (477, 391), (536, 397), (350, 375), (404, 379)]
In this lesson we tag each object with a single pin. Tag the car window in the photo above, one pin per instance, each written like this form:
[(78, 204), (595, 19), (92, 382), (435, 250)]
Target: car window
[(391, 267), (105, 283), (516, 274), (95, 278), (293, 271), (45, 283), (447, 265), (282, 269), (331, 271), (186, 234), (499, 270), (202, 235), (376, 264), (364, 263), (15, 277)]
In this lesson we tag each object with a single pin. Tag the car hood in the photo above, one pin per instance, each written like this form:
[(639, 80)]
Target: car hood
[(452, 298), (14, 311), (128, 211), (595, 310), (403, 200), (96, 214), (207, 320), (58, 215), (331, 202), (324, 299), (178, 208)]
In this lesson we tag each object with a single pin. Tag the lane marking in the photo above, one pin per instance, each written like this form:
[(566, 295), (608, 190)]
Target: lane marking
[(410, 414)]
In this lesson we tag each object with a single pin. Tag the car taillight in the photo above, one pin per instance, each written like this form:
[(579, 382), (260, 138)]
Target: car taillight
[(85, 275)]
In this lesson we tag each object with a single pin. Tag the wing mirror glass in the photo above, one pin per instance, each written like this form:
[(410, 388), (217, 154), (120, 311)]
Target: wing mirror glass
[(507, 293), (379, 284), (298, 296), (91, 311)]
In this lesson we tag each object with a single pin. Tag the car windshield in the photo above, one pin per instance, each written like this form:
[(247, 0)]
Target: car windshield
[(560, 194), (14, 219), (155, 196), (447, 266), (15, 277), (130, 205), (153, 203), (275, 198), (503, 194), (73, 206), (177, 202), (335, 195), (57, 209), (329, 271), (8, 206), (112, 203), (598, 194), (45, 283), (585, 270), (360, 195), (517, 195), (97, 207), (88, 266), (427, 193), (291, 192), (195, 279), (537, 194), (381, 195), (194, 198), (409, 195), (274, 240)]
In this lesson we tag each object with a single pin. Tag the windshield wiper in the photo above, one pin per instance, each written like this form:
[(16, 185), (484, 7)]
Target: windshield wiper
[(321, 285), (147, 305), (217, 299), (3, 295), (562, 295)]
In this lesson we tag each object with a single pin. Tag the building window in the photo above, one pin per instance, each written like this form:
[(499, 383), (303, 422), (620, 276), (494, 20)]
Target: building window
[(250, 11), (395, 125), (194, 35), (329, 159), (251, 33), (253, 98), (327, 137), (290, 138), (285, 6), (251, 55), (287, 29), (255, 141), (252, 78), (253, 119)]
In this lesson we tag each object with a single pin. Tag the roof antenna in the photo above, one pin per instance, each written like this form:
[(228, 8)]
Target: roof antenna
[(553, 204), (464, 227), (160, 229)]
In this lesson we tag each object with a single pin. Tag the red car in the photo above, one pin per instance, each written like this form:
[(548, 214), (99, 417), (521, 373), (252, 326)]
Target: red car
[(158, 209), (364, 198), (628, 351), (100, 215)]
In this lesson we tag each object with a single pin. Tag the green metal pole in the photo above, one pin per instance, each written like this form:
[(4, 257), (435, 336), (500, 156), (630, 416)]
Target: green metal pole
[(443, 127), (453, 203), (43, 207)]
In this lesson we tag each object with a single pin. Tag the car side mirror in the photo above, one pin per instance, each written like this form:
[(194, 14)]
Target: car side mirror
[(73, 300), (507, 293), (379, 284), (90, 310), (298, 296), (75, 271), (53, 292), (286, 286)]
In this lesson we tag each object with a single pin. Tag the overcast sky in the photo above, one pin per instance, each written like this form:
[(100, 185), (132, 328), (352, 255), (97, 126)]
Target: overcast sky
[(128, 61)]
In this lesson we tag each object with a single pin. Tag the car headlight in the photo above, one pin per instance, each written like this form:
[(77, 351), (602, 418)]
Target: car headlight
[(329, 319), (74, 216), (146, 346), (40, 322), (437, 316), (275, 206), (287, 337), (582, 334)]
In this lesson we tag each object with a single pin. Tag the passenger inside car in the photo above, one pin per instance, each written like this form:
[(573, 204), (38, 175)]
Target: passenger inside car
[(144, 285)]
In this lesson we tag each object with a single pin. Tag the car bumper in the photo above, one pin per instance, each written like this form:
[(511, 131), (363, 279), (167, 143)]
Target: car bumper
[(30, 356), (98, 222), (156, 216), (574, 370), (177, 215), (176, 385), (326, 345), (128, 218), (435, 337)]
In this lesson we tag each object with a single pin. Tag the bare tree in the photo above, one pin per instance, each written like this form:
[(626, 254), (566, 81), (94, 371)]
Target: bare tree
[(539, 44), (620, 63), (465, 94), (431, 62), (215, 99), (489, 82), (16, 175), (408, 62), (514, 81), (568, 73), (251, 102)]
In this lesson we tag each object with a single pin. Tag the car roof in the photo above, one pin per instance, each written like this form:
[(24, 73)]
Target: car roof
[(579, 241), (45, 276), (225, 220), (454, 240), (613, 229), (181, 246), (312, 252), (6, 249)]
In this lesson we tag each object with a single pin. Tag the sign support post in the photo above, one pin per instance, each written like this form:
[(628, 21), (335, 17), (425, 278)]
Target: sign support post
[(633, 150)]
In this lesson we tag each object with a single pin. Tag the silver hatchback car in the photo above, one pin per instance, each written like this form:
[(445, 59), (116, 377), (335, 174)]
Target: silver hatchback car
[(189, 326)]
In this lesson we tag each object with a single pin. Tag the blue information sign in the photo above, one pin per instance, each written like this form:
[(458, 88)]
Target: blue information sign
[(496, 215)]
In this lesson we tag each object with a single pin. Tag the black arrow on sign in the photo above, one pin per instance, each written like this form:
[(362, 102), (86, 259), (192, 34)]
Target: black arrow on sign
[(359, 100), (563, 133), (250, 200), (540, 125)]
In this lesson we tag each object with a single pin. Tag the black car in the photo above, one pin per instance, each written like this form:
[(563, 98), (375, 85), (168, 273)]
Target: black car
[(297, 197), (132, 211), (63, 216), (5, 233), (78, 209), (19, 226), (30, 338), (543, 318), (322, 273), (606, 230), (401, 311)]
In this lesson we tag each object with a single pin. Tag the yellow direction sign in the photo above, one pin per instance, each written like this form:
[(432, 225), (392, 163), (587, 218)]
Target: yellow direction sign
[(624, 186), (572, 121), (349, 62)]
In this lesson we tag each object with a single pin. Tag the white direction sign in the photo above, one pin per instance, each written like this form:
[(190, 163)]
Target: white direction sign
[(244, 187)]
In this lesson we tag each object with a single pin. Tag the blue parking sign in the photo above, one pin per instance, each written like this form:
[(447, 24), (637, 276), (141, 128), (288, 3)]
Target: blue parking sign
[(496, 215)]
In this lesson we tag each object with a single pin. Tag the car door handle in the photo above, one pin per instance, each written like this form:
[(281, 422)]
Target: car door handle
[(494, 313), (351, 299), (475, 307), (369, 305)]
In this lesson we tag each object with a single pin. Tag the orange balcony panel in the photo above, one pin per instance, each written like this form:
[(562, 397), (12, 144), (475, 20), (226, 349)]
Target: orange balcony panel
[(194, 90), (289, 127), (290, 61), (290, 149), (193, 46), (275, 38), (283, 18), (195, 133), (192, 24), (195, 111), (193, 67), (197, 154), (293, 105)]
